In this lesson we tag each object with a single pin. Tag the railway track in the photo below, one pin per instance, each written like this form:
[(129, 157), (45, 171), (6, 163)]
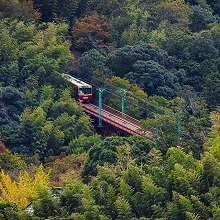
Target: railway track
[(117, 119)]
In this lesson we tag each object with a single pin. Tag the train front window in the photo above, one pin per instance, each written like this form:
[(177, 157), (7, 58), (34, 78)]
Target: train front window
[(85, 90)]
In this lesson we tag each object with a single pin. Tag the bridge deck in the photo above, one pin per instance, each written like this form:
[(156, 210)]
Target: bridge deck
[(116, 119)]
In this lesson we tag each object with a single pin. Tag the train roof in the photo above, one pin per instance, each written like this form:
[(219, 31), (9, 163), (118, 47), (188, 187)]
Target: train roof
[(76, 81)]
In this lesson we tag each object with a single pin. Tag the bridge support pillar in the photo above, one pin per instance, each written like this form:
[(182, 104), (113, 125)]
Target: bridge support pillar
[(100, 90), (122, 100)]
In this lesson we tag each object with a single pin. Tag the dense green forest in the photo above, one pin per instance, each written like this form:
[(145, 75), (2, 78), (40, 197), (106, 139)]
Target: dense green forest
[(166, 54)]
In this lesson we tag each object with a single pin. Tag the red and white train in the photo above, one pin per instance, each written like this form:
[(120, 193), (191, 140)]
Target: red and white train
[(82, 90)]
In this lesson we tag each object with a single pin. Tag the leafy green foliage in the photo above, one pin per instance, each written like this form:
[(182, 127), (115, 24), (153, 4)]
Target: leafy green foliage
[(174, 13), (23, 10), (132, 94), (122, 59), (64, 168), (165, 53), (72, 197), (83, 143), (153, 78), (123, 209), (12, 104), (106, 152), (214, 5), (149, 67), (9, 161), (201, 17), (46, 205), (46, 131)]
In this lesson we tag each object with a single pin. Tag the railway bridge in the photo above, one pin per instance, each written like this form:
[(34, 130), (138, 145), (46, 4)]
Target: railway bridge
[(110, 116), (117, 119)]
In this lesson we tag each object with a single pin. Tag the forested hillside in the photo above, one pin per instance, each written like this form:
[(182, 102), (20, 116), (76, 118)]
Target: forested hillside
[(165, 54)]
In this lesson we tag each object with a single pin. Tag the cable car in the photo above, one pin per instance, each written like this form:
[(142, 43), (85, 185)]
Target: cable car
[(82, 90)]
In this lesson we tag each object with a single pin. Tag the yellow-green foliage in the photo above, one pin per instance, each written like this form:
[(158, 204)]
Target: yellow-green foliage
[(214, 142), (25, 189), (9, 161)]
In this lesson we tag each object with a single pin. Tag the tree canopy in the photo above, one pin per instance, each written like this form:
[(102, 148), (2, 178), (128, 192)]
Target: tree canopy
[(161, 57)]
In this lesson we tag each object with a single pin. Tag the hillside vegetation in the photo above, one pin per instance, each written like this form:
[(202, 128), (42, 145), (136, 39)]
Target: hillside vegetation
[(165, 53)]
